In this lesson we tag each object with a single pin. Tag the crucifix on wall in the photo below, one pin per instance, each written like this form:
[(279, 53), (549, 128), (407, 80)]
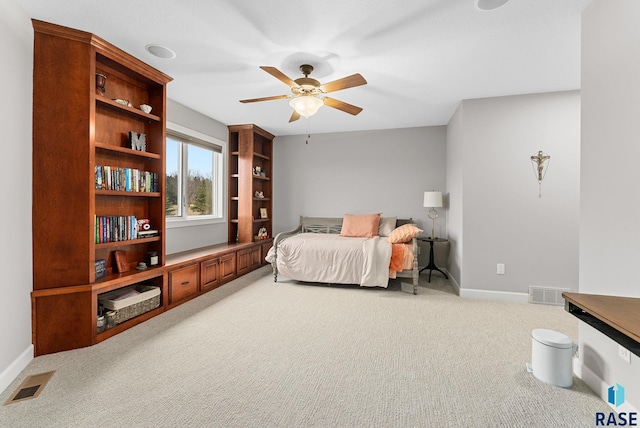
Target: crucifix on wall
[(540, 162)]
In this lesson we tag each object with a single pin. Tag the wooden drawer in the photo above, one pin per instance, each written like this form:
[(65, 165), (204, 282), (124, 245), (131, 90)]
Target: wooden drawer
[(244, 261), (210, 273), (183, 283), (227, 267)]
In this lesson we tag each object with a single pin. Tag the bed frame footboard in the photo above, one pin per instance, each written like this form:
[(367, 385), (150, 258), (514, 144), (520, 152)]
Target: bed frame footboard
[(279, 238), (415, 272)]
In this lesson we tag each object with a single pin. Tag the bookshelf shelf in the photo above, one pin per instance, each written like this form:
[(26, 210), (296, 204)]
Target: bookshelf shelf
[(125, 150), (260, 155), (139, 241), (106, 102), (260, 177), (127, 324), (128, 193)]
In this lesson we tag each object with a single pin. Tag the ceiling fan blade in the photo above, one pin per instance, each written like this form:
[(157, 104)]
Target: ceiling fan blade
[(344, 83), (279, 75), (294, 116), (276, 97), (341, 105)]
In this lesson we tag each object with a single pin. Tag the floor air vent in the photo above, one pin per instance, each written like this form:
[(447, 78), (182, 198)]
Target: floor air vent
[(546, 296), (31, 387)]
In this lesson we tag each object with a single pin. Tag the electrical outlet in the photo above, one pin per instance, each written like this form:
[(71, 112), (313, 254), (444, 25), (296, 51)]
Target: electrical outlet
[(500, 269), (624, 354)]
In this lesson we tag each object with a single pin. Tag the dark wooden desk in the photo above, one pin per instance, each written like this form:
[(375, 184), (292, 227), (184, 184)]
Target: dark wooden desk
[(615, 317)]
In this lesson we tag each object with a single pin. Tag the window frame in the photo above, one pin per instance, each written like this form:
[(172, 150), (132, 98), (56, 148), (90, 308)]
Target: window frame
[(219, 181)]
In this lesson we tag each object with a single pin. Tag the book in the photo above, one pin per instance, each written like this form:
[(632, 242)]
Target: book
[(121, 264), (101, 268), (148, 233), (98, 177)]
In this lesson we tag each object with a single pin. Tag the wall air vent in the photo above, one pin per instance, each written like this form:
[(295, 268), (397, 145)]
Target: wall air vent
[(546, 296)]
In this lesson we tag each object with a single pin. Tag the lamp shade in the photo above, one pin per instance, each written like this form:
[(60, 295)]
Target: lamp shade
[(306, 105), (432, 199)]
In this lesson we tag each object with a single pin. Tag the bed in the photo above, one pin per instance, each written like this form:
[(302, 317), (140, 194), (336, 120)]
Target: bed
[(317, 252)]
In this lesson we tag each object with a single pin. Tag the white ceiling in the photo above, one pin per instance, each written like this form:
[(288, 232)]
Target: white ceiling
[(420, 57)]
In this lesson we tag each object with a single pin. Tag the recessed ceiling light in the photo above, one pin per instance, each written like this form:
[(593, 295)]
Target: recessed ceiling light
[(489, 4), (160, 51)]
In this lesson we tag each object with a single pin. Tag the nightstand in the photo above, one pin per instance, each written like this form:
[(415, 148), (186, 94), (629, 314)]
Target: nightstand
[(432, 265)]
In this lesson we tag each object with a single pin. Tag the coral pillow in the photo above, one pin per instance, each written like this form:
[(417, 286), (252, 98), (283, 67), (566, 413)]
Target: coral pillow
[(404, 233), (360, 226)]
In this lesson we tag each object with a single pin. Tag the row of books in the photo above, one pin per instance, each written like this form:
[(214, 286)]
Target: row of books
[(125, 179), (121, 228), (115, 228)]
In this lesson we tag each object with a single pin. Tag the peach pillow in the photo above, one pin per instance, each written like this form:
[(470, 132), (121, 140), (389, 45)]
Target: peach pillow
[(404, 233), (360, 226)]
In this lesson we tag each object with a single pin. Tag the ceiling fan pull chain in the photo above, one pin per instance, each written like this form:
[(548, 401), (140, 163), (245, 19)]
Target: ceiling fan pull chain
[(308, 130)]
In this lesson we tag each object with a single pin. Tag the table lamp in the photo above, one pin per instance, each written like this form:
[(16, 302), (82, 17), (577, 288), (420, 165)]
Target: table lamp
[(433, 200)]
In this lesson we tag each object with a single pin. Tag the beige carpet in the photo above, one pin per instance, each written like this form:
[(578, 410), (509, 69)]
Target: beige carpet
[(257, 354)]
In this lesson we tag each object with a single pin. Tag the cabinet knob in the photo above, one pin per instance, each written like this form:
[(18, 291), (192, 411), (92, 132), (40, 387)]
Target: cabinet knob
[(185, 283)]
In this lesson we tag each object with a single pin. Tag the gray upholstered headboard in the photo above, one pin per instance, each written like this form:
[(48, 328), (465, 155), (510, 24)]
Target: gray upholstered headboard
[(331, 224), (320, 224)]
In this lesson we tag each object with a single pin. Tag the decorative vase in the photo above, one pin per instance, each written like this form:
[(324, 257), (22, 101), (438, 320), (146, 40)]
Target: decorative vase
[(101, 81)]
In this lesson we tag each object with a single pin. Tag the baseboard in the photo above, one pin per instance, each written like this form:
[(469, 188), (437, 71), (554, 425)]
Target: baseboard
[(599, 386), (453, 282), (11, 373), (507, 296)]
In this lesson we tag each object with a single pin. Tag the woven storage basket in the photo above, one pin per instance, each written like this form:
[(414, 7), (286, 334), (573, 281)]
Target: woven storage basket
[(147, 300)]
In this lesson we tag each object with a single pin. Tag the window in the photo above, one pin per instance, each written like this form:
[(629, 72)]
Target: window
[(193, 177)]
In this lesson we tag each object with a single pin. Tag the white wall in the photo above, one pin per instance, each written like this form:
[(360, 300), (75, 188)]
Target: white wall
[(610, 202), (16, 45), (186, 238), (503, 219), (384, 171), (455, 167)]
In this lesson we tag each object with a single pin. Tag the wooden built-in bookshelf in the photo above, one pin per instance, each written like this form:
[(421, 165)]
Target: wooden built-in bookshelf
[(249, 146), (77, 128)]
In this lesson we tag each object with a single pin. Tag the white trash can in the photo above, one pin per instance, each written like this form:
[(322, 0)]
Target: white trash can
[(551, 359)]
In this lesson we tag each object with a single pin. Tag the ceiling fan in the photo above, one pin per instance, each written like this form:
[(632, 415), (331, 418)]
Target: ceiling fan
[(307, 94)]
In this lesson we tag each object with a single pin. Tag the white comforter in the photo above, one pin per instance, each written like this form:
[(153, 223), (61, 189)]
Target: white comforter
[(330, 258)]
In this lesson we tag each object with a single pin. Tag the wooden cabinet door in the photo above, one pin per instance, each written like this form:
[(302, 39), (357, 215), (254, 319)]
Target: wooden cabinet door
[(244, 261), (266, 246), (227, 267), (183, 283), (210, 273), (256, 257)]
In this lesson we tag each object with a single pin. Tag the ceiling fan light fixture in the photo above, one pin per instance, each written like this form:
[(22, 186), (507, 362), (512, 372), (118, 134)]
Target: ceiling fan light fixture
[(308, 95), (306, 105)]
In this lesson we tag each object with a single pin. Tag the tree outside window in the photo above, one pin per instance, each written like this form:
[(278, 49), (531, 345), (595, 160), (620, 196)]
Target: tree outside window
[(193, 185)]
